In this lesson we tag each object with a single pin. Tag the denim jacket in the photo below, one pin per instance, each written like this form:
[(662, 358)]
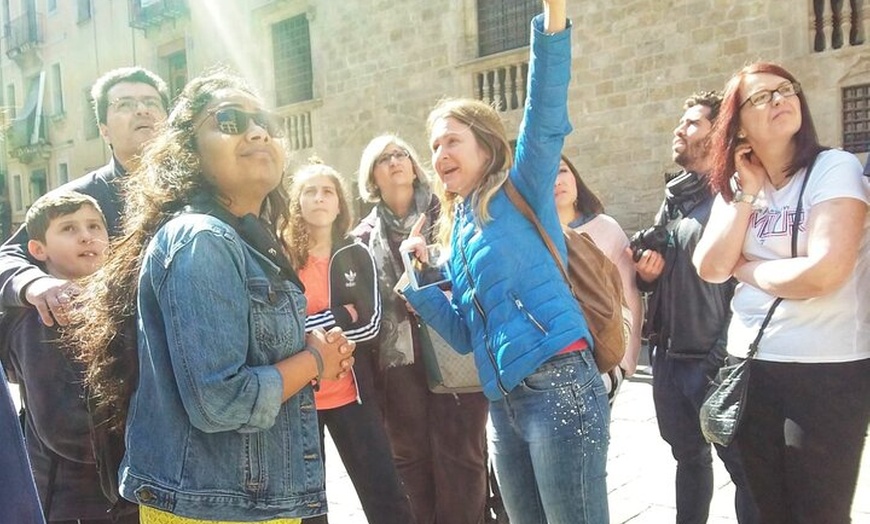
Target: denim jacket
[(208, 436)]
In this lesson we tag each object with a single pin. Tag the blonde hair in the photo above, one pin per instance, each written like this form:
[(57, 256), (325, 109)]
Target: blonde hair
[(296, 231), (488, 129), (368, 189)]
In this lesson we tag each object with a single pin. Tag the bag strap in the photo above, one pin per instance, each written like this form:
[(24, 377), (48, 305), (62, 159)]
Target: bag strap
[(798, 217), (520, 202)]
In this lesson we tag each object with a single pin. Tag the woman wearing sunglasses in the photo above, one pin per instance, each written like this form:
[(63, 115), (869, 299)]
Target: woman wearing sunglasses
[(510, 305), (808, 403), (438, 440), (221, 426), (341, 288)]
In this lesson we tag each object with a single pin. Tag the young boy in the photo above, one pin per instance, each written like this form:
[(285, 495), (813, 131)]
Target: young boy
[(68, 236)]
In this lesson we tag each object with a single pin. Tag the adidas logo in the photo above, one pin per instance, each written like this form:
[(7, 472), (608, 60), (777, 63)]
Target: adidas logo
[(350, 279)]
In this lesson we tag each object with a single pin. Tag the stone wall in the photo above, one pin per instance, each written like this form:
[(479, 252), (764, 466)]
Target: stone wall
[(380, 66)]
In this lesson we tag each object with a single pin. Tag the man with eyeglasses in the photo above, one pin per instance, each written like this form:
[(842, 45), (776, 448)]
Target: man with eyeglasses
[(129, 103), (687, 319)]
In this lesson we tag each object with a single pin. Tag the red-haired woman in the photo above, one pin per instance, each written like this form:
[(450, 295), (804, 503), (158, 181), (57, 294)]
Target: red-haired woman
[(809, 393)]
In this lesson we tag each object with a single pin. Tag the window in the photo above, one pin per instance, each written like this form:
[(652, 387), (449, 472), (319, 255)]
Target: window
[(28, 128), (291, 47), (11, 109), (57, 90), (92, 130), (52, 6), (176, 64), (856, 118), (84, 10), (38, 184), (17, 194), (504, 24), (62, 173)]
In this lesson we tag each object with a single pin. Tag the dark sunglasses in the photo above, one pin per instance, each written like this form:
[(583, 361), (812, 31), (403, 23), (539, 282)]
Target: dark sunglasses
[(233, 121)]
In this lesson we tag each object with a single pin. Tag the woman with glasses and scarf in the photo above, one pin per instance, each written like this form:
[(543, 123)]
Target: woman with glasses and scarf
[(808, 403), (341, 287), (438, 440), (221, 426)]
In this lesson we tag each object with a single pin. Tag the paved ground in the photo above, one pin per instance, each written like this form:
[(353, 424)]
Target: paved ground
[(640, 472)]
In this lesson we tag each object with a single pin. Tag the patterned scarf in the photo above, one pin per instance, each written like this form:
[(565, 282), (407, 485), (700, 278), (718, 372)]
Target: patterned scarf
[(396, 342)]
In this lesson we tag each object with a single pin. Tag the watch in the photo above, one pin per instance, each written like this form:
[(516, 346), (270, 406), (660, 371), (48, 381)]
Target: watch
[(740, 196)]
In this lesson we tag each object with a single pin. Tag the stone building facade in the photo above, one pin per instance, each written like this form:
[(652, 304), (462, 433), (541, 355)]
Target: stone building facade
[(343, 72)]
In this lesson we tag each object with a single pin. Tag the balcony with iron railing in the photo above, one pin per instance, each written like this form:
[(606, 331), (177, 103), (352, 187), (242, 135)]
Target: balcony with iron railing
[(838, 23), (23, 34), (25, 143), (153, 13)]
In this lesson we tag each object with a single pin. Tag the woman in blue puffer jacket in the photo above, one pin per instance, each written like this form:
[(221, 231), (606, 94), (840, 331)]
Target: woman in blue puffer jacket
[(510, 304)]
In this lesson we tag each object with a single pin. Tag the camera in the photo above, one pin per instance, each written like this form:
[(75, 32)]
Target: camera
[(654, 238)]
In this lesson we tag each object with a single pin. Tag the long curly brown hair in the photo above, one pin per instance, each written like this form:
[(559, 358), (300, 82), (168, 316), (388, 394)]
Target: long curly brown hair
[(296, 231), (102, 329)]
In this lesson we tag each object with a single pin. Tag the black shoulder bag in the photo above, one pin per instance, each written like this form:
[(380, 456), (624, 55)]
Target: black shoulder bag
[(725, 404)]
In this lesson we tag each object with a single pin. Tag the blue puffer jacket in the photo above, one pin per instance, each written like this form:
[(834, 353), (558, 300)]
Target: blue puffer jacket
[(530, 312)]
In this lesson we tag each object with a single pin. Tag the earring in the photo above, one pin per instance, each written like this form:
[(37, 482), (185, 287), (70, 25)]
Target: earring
[(741, 135)]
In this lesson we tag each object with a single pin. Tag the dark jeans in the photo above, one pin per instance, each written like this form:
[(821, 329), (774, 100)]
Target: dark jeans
[(802, 436), (439, 446), (357, 430), (679, 388)]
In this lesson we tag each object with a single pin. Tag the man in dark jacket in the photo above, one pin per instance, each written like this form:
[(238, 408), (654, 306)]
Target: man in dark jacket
[(687, 319), (129, 104)]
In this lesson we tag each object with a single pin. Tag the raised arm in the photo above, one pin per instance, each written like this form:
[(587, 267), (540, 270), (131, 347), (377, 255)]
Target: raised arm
[(555, 17), (719, 250), (545, 120)]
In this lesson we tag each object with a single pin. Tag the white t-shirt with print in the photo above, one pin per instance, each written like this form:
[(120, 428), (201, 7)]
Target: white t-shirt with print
[(829, 328)]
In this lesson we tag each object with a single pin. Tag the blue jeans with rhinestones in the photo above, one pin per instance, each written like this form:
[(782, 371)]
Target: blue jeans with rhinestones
[(549, 440)]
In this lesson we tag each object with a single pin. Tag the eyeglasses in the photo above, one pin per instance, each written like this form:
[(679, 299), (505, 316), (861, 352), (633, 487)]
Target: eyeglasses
[(386, 158), (759, 98), (233, 121), (130, 104)]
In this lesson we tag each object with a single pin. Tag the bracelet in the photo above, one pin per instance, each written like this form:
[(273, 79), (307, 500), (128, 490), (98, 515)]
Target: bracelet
[(319, 360), (740, 196)]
